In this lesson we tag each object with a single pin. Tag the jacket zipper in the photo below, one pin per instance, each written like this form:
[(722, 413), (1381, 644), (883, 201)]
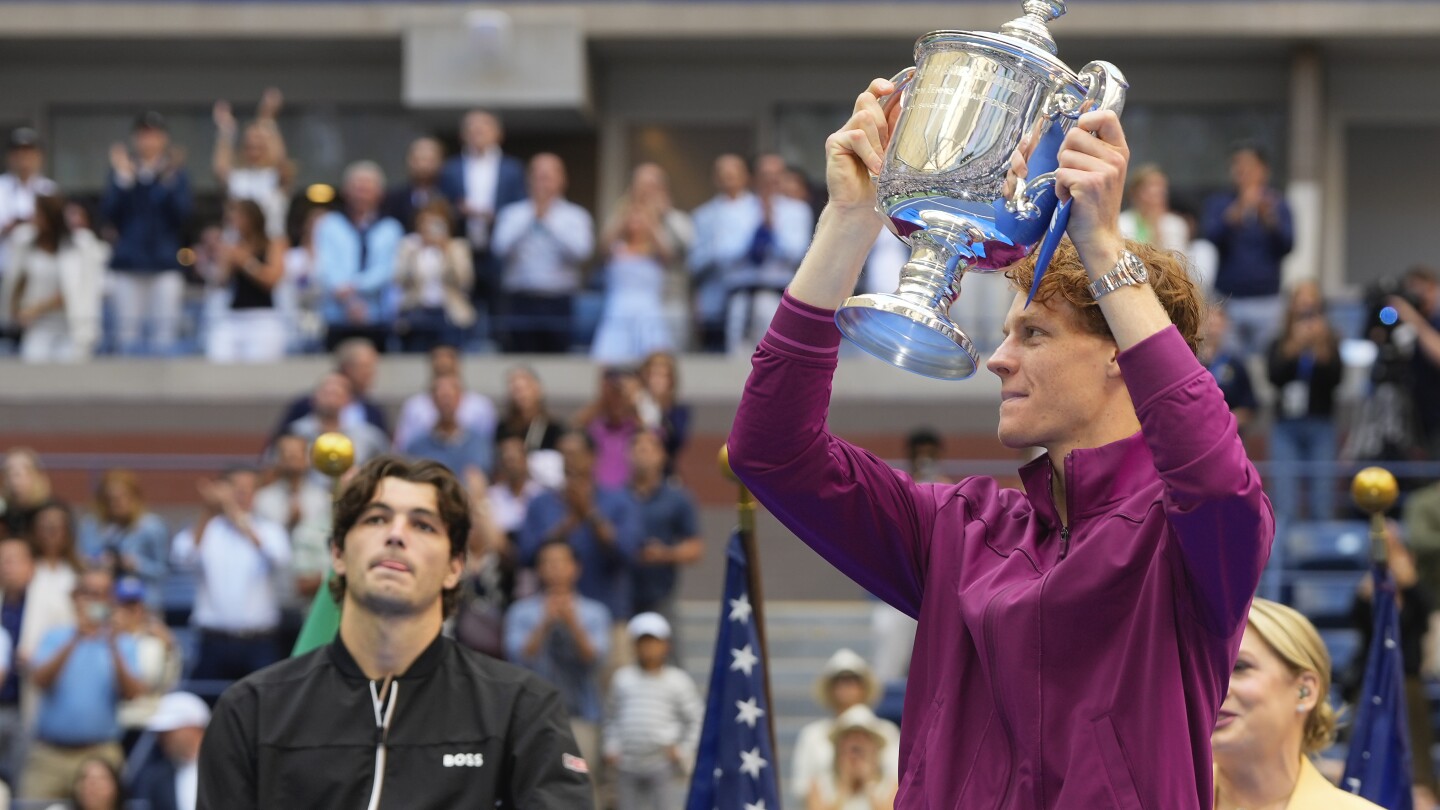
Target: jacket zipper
[(1064, 541), (382, 728)]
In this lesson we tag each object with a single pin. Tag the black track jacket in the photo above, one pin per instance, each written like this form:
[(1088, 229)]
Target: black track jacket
[(458, 730)]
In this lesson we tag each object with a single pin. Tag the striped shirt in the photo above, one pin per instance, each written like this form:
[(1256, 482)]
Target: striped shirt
[(647, 712)]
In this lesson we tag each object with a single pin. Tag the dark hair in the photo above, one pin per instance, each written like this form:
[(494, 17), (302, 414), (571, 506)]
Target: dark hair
[(70, 553), (250, 212), (1253, 147), (450, 500), (565, 544), (919, 437), (51, 229), (120, 795), (438, 207), (590, 443)]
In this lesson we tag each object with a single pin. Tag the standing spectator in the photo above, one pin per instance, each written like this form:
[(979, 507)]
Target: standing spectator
[(357, 361), (1423, 317), (295, 500), (1305, 368), (157, 657), (542, 244), (924, 450), (28, 616), (449, 442), (719, 224), (264, 173), (564, 637), (611, 421), (1252, 229), (434, 274), (1229, 371), (252, 327), (236, 556), (57, 560), (82, 672), (1421, 520), (652, 721), (845, 682), (171, 782), (858, 780), (634, 321), (298, 295), (423, 162), (418, 414), (481, 181), (147, 200), (659, 406), (775, 231), (123, 535), (21, 183), (650, 191), (671, 533), (1149, 218), (328, 414), (52, 286), (514, 488), (355, 258), (602, 525), (488, 585), (25, 490)]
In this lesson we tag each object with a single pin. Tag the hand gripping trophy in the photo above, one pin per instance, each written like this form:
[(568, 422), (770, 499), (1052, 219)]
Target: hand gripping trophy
[(970, 102)]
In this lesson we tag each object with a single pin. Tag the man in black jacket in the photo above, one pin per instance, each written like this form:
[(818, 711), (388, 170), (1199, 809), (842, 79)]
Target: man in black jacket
[(393, 715)]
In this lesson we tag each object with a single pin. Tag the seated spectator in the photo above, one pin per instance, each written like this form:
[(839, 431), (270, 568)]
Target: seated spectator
[(25, 490), (434, 274), (1276, 716), (564, 638), (418, 415), (611, 421), (158, 659), (844, 683), (357, 361), (858, 780), (329, 406), (81, 671), (123, 535), (171, 782), (601, 525), (923, 452), (355, 252), (1227, 368), (51, 286), (295, 500), (423, 162), (236, 556), (671, 528), (659, 407), (147, 201), (652, 721), (455, 445), (634, 321), (57, 560), (543, 244), (264, 173), (514, 488), (96, 787), (251, 327)]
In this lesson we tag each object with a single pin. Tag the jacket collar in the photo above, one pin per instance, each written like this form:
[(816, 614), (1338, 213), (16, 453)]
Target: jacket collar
[(1096, 478), (423, 667)]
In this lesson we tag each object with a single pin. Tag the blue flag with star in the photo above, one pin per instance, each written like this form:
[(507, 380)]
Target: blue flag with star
[(1377, 766), (734, 765)]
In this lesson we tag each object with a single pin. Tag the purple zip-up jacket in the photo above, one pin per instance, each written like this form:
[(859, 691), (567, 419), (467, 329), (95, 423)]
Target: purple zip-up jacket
[(1074, 668)]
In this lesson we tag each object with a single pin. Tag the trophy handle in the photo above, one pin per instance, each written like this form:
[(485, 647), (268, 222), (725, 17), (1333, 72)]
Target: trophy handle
[(901, 81), (1105, 88)]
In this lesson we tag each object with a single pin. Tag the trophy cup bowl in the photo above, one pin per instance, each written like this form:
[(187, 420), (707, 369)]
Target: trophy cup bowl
[(969, 103)]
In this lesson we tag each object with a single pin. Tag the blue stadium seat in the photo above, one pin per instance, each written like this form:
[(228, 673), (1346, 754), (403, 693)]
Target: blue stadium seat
[(1324, 597), (1344, 646), (1328, 545), (177, 597)]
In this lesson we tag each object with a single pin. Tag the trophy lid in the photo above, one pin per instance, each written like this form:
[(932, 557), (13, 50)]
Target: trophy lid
[(1032, 26)]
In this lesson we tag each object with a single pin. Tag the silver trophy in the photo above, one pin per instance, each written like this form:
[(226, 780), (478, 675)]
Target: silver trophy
[(969, 103)]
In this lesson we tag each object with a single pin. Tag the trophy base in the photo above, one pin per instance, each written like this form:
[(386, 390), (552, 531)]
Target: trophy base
[(907, 335)]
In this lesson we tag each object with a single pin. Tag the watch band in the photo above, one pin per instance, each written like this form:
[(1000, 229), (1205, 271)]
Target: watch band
[(1128, 270)]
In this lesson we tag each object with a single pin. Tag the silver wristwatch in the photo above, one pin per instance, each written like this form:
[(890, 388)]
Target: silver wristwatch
[(1129, 270)]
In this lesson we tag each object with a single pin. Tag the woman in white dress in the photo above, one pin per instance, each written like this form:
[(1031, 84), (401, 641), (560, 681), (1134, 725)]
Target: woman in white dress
[(53, 286), (633, 323), (263, 172)]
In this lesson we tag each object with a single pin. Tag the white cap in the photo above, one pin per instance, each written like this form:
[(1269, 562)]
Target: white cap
[(179, 710), (649, 624)]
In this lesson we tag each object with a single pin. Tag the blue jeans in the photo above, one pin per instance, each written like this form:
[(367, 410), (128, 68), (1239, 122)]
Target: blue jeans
[(1295, 444)]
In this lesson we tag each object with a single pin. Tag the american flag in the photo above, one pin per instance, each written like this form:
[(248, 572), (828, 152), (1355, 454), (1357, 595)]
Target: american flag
[(1377, 766), (735, 765)]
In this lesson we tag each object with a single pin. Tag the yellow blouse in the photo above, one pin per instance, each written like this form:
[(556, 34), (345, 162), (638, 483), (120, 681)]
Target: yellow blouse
[(1314, 792)]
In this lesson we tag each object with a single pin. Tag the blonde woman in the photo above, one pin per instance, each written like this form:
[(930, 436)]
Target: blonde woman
[(1275, 717)]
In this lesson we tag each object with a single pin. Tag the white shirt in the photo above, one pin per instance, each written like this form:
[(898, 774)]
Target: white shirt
[(813, 757), (236, 592), (418, 416), (6, 643), (482, 175), (187, 785), (543, 255), (262, 185), (507, 508), (17, 197), (429, 272)]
